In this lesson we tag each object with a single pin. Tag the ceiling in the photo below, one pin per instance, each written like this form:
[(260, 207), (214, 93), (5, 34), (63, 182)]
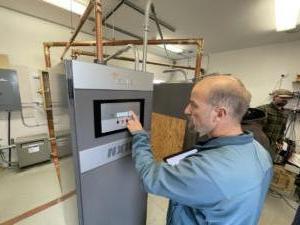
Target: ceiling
[(224, 25)]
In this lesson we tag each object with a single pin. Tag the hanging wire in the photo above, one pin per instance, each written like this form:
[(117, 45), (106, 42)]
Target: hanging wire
[(104, 31), (113, 28), (71, 15), (71, 21), (159, 30)]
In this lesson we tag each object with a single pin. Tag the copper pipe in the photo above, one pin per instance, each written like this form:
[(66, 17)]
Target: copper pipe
[(191, 41), (154, 42), (50, 121), (81, 22), (98, 25), (47, 56), (116, 54), (64, 43), (77, 52), (127, 42), (198, 61), (142, 11)]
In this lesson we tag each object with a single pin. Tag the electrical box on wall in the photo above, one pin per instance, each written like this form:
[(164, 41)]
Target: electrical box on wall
[(32, 150), (9, 91)]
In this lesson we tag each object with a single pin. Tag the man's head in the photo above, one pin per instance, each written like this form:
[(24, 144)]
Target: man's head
[(281, 96), (217, 103)]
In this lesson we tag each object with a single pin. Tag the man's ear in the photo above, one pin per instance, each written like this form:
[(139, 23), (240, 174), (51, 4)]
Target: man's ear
[(221, 112)]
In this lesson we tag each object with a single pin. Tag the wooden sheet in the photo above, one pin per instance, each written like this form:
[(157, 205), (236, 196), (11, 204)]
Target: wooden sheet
[(167, 135)]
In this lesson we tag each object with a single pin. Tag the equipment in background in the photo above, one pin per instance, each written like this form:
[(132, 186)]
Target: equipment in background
[(32, 150), (93, 103), (252, 121), (9, 101)]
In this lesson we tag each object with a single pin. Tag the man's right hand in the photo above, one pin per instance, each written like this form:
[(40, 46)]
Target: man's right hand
[(134, 124)]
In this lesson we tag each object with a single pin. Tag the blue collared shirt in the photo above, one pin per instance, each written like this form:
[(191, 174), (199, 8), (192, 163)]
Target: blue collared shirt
[(224, 183)]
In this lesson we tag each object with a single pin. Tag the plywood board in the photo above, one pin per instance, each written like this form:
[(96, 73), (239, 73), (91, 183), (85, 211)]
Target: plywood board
[(167, 135)]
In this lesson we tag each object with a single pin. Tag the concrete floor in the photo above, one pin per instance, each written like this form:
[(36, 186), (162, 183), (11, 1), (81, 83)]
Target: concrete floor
[(24, 190)]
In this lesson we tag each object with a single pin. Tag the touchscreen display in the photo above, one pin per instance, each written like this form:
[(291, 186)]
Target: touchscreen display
[(111, 116)]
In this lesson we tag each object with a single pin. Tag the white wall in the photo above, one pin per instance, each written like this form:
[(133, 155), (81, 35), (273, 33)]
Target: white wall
[(21, 39), (260, 69)]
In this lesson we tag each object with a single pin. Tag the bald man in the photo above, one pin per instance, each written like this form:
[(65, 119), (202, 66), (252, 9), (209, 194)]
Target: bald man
[(225, 182)]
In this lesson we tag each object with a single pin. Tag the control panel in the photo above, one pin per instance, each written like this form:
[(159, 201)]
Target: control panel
[(111, 116)]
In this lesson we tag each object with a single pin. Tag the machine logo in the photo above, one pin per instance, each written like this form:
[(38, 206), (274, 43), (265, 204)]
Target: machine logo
[(103, 154), (119, 150), (122, 79)]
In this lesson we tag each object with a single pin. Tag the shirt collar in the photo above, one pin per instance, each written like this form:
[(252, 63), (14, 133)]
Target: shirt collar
[(276, 107), (216, 142)]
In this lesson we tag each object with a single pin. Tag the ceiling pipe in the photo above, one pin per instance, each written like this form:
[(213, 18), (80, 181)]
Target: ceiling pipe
[(185, 41), (113, 27), (98, 24), (178, 70), (123, 31), (78, 52), (136, 55), (142, 11), (119, 52), (146, 30), (191, 41), (158, 28), (198, 61), (198, 42), (106, 17), (81, 22)]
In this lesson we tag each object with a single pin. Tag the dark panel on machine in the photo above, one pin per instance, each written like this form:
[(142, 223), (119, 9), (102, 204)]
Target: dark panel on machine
[(171, 99)]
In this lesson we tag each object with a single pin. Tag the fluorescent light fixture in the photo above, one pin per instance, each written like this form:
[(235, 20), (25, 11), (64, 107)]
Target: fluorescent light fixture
[(172, 48), (158, 81), (286, 12), (70, 5)]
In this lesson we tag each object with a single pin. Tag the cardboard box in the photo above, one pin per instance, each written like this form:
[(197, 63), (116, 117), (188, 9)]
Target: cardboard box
[(283, 181)]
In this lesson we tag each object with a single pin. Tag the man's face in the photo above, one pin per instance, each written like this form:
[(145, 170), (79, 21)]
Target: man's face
[(279, 101), (200, 113)]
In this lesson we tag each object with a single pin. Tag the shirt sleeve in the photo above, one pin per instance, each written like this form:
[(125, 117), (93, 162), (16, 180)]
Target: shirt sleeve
[(264, 122), (188, 182)]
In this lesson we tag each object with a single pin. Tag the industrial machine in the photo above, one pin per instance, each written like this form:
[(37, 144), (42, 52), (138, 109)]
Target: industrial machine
[(93, 102)]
